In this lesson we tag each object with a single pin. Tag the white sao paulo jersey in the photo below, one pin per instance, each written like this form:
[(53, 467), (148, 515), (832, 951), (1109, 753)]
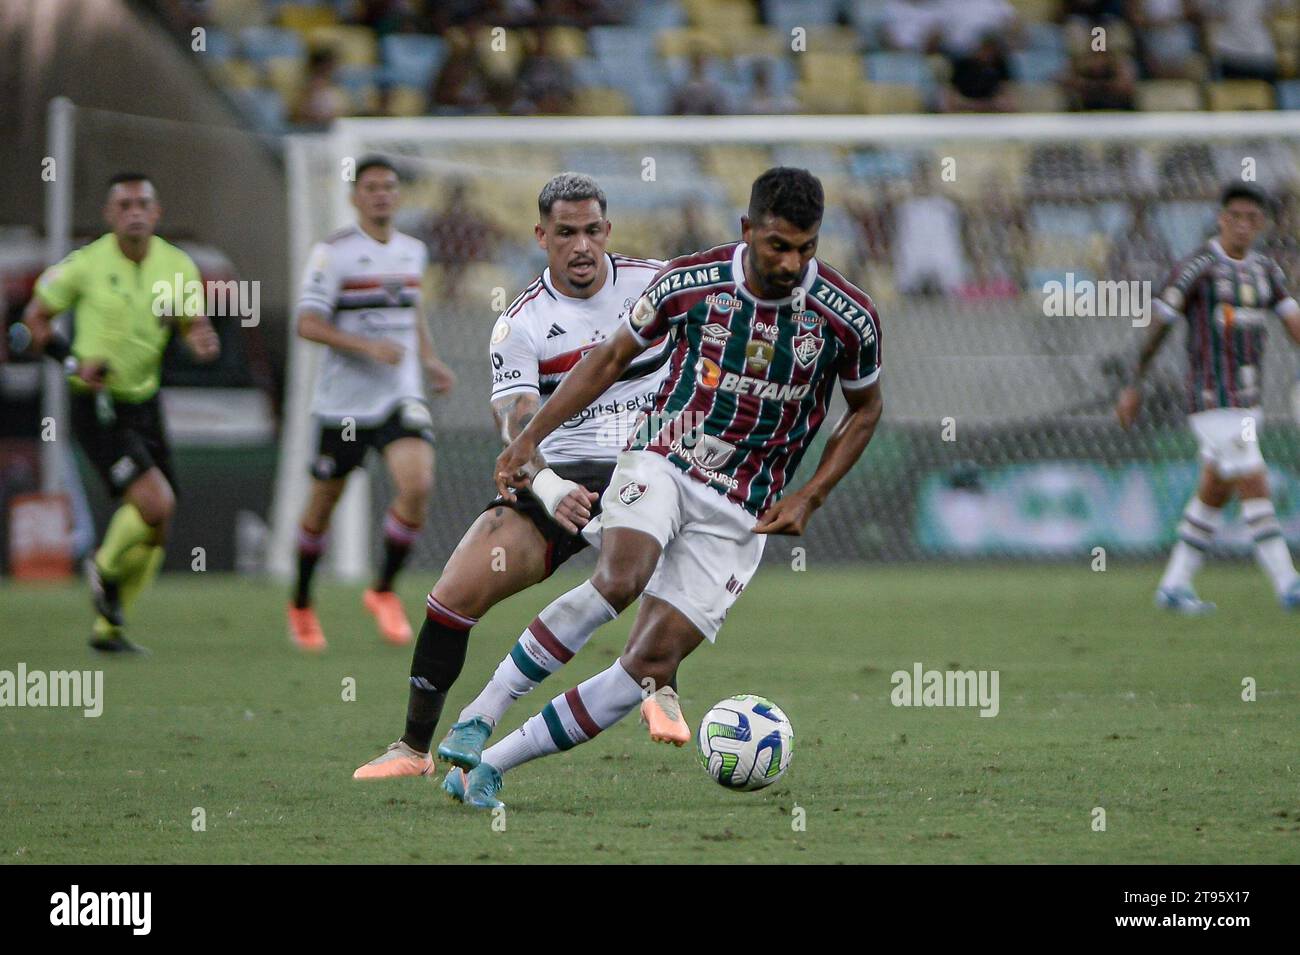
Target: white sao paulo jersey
[(370, 289), (544, 333)]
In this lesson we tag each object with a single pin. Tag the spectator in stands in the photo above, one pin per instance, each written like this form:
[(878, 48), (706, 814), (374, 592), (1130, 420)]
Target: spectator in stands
[(695, 234), (763, 99), (965, 24), (1240, 41), (1101, 80), (1166, 43), (545, 83), (1090, 13), (321, 100), (384, 16), (914, 26), (979, 81), (463, 84), (928, 253), (699, 95), (457, 235)]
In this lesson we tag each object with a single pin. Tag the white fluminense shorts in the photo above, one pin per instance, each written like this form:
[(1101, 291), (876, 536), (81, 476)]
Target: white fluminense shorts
[(1229, 440), (710, 548)]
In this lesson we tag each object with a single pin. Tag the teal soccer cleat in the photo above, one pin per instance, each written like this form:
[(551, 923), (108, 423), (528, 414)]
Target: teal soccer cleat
[(477, 788), (1182, 600), (463, 746)]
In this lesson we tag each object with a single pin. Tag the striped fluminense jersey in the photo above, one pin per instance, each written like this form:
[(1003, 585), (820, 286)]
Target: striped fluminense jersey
[(1226, 303), (370, 289), (749, 380)]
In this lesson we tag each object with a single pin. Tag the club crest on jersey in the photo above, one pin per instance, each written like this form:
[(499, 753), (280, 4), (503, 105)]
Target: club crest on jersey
[(806, 349), (758, 355), (722, 301), (716, 333), (708, 373), (500, 332), (631, 492)]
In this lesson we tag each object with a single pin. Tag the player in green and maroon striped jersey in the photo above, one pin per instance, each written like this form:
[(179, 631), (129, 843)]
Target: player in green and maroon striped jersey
[(1228, 295), (761, 330)]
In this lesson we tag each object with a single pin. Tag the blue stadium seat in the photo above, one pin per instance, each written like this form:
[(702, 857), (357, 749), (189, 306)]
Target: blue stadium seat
[(412, 59), (867, 165), (1184, 225), (1288, 94), (1037, 66), (621, 45), (659, 15), (265, 43), (787, 14), (1062, 219), (588, 71), (220, 45), (1045, 36), (264, 106), (902, 69)]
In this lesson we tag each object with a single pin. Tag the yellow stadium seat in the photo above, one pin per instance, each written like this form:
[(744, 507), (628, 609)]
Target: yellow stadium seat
[(354, 46), (721, 14), (599, 101), (757, 41), (566, 43), (1240, 95), (841, 97), (1286, 31), (238, 74), (686, 42), (1037, 11), (1038, 97), (891, 98), (304, 18), (1160, 96), (406, 101), (285, 75), (830, 69), (831, 40), (501, 54), (236, 14)]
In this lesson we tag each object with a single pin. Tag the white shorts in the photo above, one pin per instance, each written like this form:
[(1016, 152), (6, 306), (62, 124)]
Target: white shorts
[(1229, 440), (710, 548)]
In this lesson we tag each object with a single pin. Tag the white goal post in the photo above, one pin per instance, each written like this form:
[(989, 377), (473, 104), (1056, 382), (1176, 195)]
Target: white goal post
[(318, 204)]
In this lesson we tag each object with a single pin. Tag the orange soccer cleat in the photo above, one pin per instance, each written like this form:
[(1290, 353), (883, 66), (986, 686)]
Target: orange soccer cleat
[(662, 712), (304, 629), (398, 760), (387, 610)]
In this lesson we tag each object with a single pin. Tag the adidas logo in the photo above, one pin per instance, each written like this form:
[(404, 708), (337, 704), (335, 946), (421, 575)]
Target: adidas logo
[(555, 331)]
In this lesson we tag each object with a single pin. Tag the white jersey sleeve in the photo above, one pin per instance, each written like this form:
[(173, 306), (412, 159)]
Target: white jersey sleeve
[(515, 359), (320, 282)]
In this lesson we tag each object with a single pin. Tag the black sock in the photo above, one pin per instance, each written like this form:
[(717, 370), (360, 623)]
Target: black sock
[(394, 557), (439, 657), (310, 548), (398, 538)]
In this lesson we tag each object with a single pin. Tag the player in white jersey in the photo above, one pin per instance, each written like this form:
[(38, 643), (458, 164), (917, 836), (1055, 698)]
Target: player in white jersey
[(517, 542), (361, 298)]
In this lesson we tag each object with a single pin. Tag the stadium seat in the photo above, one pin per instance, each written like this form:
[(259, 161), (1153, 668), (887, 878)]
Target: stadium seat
[(891, 98), (588, 71), (720, 15), (1045, 36), (566, 43), (830, 69), (1240, 95), (1288, 94), (237, 14), (1157, 96), (237, 74), (899, 69), (264, 43), (618, 45), (1183, 225), (1037, 11), (407, 101), (285, 75), (1038, 97), (218, 45), (412, 59), (785, 15), (757, 41), (1037, 66), (355, 46), (303, 17), (685, 42), (264, 106), (658, 14), (601, 101)]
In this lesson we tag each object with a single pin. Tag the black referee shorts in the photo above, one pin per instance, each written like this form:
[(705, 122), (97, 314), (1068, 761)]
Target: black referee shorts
[(122, 440), (560, 544)]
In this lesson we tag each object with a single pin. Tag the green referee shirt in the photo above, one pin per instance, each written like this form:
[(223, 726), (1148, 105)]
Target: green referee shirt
[(124, 310)]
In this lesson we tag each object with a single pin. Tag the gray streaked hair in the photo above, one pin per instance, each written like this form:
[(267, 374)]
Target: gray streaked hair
[(569, 187)]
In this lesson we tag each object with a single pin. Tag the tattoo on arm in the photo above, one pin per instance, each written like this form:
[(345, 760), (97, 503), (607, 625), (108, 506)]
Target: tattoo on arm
[(512, 415)]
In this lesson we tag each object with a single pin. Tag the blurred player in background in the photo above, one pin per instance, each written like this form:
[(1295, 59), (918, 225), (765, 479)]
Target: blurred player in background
[(114, 364), (520, 540), (760, 330), (361, 299), (1227, 294)]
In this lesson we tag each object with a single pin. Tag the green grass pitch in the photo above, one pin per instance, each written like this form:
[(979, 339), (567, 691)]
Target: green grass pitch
[(1104, 703)]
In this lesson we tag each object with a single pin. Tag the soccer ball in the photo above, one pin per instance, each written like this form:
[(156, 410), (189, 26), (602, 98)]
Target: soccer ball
[(745, 742)]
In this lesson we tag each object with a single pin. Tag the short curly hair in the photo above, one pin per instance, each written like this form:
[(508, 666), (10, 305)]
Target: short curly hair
[(794, 195)]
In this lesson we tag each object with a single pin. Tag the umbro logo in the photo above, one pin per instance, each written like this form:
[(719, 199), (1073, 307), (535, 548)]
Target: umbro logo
[(556, 331)]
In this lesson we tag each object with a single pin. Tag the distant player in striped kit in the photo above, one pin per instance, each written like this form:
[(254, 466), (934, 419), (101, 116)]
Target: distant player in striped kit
[(1227, 294), (760, 330), (361, 299), (577, 302)]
